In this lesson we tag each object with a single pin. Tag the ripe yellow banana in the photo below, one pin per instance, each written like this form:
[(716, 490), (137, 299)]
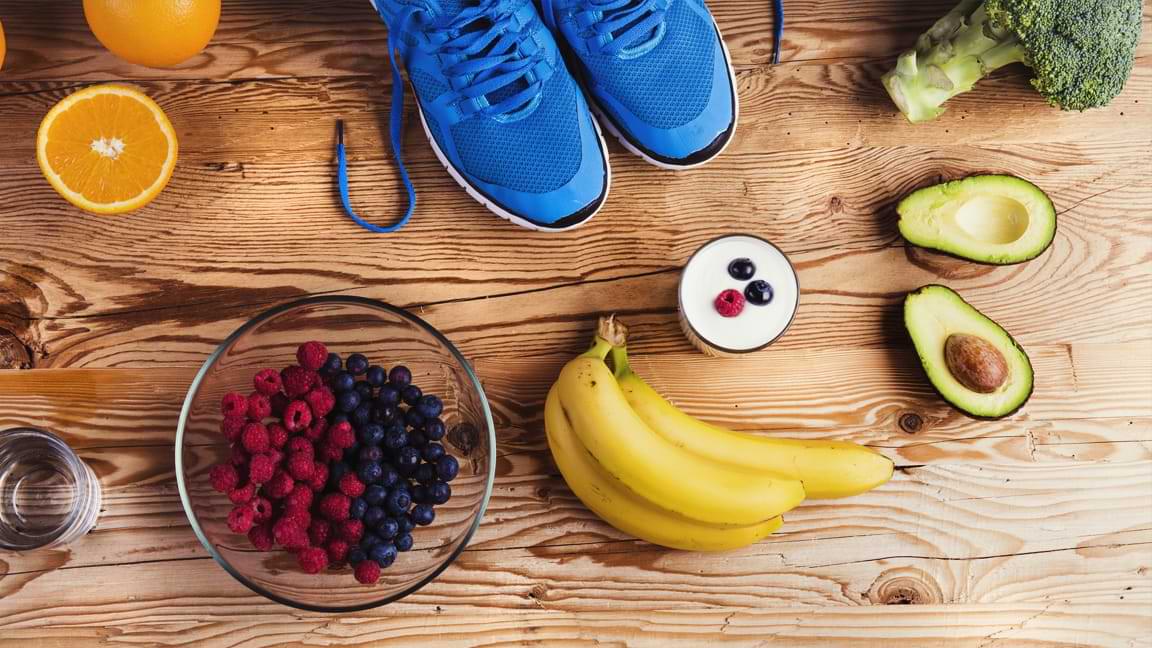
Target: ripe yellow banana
[(828, 469), (656, 470), (610, 499)]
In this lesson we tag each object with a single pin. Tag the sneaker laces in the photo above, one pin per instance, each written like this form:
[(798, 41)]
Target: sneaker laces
[(494, 61), (628, 23)]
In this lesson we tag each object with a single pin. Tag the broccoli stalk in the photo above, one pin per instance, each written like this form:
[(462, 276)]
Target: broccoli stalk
[(1081, 52)]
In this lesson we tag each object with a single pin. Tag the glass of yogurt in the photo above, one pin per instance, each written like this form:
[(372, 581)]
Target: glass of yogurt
[(738, 294)]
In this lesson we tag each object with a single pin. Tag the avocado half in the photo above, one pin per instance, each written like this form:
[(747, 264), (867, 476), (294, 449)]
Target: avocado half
[(972, 362), (996, 219)]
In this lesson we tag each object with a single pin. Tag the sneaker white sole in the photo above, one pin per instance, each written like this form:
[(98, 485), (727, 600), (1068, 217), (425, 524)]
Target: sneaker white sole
[(604, 119), (479, 196)]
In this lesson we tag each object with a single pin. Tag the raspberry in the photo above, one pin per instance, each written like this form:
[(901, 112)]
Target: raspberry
[(224, 478), (337, 551), (312, 560), (318, 531), (263, 509), (276, 456), (259, 406), (321, 400), (729, 303), (280, 486), (298, 380), (341, 435), (301, 466), (334, 506), (255, 438), (297, 416), (299, 445), (312, 355), (277, 435), (367, 572), (289, 533), (243, 494), (267, 381), (350, 530), (241, 518), (327, 452), (239, 455), (302, 517), (351, 486), (319, 477), (231, 427), (260, 468), (261, 537), (316, 431), (300, 499), (279, 402), (233, 404)]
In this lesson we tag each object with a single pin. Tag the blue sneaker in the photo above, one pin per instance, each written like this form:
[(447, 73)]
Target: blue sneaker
[(657, 73), (503, 114)]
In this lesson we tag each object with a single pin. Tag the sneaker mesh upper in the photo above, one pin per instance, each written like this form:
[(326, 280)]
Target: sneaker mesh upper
[(670, 85), (536, 154)]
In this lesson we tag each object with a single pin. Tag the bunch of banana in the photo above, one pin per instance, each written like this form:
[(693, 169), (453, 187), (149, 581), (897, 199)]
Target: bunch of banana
[(656, 473)]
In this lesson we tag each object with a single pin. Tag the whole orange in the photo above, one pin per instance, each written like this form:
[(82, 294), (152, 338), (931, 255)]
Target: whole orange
[(156, 33)]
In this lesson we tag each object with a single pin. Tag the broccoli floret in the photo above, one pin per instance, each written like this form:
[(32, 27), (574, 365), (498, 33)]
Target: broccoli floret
[(1081, 52)]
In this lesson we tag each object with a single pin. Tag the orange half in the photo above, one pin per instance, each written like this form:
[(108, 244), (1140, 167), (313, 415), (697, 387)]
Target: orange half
[(107, 149)]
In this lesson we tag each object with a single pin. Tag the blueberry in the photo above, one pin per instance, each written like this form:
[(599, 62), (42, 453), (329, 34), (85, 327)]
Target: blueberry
[(407, 459), (742, 269), (400, 377), (333, 364), (371, 434), (390, 477), (384, 554), (369, 472), (388, 395), (376, 375), (447, 467), (357, 508), (425, 474), (364, 389), (373, 516), (361, 415), (411, 395), (343, 382), (356, 556), (432, 452), (430, 406), (398, 501), (388, 528), (375, 494), (404, 542), (395, 437), (406, 524), (417, 439), (347, 401), (423, 514), (420, 494), (413, 419), (434, 429), (371, 454), (369, 540), (440, 492), (383, 412), (357, 364), (758, 293)]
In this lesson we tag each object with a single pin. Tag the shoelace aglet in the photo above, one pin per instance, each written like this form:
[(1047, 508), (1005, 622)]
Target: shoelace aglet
[(339, 132)]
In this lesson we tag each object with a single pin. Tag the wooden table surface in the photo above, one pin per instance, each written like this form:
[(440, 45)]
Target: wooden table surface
[(1032, 531)]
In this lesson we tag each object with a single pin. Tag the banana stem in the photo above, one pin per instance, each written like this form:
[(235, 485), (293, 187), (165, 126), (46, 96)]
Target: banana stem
[(600, 349), (610, 333), (620, 366)]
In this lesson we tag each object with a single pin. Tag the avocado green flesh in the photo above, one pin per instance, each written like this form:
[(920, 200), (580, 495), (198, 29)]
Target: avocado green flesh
[(932, 314), (990, 219)]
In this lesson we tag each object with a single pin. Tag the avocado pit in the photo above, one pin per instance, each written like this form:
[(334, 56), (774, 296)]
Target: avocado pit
[(975, 363)]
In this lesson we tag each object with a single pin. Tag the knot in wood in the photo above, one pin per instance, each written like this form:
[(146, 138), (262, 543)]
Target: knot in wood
[(911, 422), (905, 586), (464, 437), (14, 354)]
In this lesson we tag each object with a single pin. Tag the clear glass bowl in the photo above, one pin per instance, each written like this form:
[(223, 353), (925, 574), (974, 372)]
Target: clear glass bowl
[(388, 336)]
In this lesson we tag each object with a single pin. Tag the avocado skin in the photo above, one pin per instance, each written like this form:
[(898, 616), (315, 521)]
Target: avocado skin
[(924, 362), (904, 211)]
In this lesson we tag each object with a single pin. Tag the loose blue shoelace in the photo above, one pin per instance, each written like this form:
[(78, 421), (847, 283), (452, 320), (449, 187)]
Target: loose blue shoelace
[(492, 61)]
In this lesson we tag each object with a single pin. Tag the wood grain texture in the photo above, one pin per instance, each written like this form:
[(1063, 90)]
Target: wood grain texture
[(1033, 531)]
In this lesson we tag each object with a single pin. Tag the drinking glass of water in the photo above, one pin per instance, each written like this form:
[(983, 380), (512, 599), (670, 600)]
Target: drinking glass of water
[(48, 496)]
